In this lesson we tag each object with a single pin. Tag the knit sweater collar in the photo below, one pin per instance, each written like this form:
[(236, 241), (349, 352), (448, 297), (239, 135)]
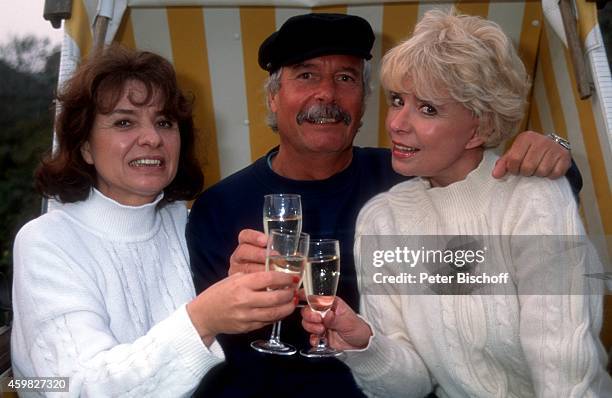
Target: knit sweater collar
[(471, 192), (108, 218)]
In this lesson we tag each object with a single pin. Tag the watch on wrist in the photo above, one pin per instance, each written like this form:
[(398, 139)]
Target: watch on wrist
[(560, 140)]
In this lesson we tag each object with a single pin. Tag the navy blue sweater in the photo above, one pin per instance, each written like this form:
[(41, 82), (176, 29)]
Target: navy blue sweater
[(330, 208)]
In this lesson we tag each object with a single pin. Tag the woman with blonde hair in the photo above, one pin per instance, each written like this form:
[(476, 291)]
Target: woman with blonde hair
[(456, 88)]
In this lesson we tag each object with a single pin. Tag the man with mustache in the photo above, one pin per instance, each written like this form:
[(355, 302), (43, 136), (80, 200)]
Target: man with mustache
[(319, 74)]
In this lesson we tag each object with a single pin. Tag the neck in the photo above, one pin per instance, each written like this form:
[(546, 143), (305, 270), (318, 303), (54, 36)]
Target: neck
[(457, 171), (310, 166)]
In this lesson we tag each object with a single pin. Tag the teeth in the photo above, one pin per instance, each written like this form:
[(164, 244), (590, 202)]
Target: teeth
[(406, 148), (324, 120), (145, 162)]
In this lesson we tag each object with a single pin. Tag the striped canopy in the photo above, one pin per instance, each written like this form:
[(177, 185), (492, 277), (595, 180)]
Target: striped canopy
[(214, 48)]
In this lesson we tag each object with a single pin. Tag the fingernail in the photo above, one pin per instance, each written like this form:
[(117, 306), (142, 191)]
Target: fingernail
[(296, 279)]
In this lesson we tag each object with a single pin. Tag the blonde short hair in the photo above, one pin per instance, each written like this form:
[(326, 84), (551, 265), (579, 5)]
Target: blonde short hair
[(467, 59)]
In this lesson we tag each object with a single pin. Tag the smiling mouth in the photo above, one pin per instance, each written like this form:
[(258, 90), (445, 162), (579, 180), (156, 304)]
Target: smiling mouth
[(323, 114), (146, 163), (404, 148)]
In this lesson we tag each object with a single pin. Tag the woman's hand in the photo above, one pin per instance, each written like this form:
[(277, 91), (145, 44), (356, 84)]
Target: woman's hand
[(241, 303), (345, 330)]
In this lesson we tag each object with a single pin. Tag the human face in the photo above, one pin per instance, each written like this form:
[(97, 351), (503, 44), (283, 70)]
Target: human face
[(437, 141), (331, 81), (134, 149)]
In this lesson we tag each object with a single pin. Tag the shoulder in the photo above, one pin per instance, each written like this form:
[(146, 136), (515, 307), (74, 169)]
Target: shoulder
[(375, 209), (229, 205), (235, 184), (545, 189), (46, 244), (541, 190), (175, 213), (540, 205), (48, 227), (375, 166), (381, 154), (380, 213), (374, 160)]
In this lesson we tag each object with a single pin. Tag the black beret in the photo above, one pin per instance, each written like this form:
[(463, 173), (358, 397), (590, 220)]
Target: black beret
[(312, 35)]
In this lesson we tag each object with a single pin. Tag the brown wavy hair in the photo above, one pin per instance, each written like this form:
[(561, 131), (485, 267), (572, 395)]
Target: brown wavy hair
[(96, 87)]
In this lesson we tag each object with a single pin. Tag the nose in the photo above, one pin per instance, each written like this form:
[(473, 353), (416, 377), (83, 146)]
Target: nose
[(149, 136), (399, 120), (326, 90)]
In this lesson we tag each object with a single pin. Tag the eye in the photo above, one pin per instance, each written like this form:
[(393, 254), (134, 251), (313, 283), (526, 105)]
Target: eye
[(305, 75), (346, 78), (122, 123), (395, 100), (165, 123), (428, 109)]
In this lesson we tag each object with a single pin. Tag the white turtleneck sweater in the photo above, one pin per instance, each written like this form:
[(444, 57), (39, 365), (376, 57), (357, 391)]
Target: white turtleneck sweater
[(503, 345), (99, 296)]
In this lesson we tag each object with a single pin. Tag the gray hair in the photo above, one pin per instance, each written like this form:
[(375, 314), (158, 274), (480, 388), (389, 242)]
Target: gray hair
[(273, 84)]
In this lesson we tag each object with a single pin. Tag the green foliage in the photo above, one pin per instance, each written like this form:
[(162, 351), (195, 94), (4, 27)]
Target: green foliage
[(28, 76)]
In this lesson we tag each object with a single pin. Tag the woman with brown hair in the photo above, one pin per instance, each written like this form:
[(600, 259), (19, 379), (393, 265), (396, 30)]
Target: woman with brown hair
[(102, 289)]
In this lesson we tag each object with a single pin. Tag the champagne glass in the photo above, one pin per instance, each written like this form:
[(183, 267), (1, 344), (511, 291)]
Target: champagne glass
[(320, 284), (282, 211), (286, 251)]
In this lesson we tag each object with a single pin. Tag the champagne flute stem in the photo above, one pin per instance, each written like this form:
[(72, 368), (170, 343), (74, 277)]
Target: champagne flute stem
[(322, 341), (278, 329), (273, 333)]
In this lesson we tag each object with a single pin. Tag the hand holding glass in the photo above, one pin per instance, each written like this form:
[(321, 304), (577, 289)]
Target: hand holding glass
[(286, 251), (320, 284)]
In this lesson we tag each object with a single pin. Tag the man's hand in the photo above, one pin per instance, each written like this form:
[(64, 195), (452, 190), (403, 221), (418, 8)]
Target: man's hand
[(345, 330), (250, 255), (534, 154)]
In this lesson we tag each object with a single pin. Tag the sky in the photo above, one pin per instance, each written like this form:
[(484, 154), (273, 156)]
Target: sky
[(22, 17)]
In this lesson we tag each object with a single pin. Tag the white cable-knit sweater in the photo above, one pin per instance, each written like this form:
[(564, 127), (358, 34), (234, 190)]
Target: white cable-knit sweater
[(99, 294), (480, 345)]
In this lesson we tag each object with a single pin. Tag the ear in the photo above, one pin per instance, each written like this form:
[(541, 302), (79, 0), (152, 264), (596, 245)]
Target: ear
[(272, 102), (475, 142), (86, 153), (477, 139)]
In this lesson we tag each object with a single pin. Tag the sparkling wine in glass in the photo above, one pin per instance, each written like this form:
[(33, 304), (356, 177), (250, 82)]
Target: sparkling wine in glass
[(320, 284), (282, 211), (287, 252)]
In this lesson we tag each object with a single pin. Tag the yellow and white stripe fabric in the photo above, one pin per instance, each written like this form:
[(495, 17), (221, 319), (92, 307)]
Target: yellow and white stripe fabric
[(213, 46)]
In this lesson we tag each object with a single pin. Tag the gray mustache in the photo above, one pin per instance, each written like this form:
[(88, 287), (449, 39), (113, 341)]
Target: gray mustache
[(323, 111)]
